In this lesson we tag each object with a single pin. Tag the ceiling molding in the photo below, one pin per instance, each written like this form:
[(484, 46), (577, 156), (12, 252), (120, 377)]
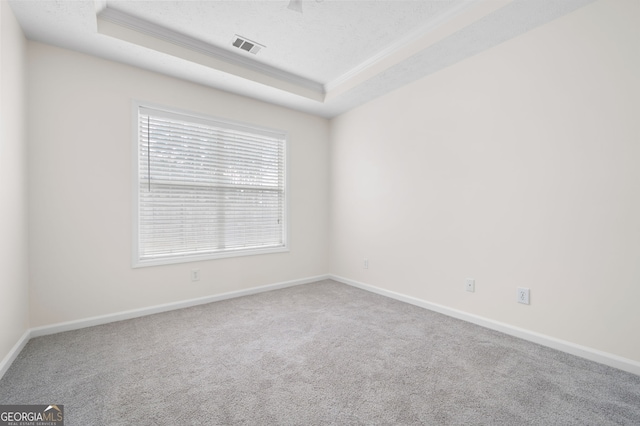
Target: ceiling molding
[(399, 44), (125, 20), (450, 37)]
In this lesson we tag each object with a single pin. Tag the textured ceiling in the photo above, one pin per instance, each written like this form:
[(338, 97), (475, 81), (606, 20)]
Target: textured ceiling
[(332, 57), (326, 40)]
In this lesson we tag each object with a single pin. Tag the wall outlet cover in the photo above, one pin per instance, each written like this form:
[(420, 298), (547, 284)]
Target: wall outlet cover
[(523, 295), (470, 285)]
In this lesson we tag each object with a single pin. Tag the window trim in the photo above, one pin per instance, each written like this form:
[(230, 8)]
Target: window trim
[(135, 254)]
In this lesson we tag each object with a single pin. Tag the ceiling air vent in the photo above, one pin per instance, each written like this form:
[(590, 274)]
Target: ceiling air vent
[(246, 44)]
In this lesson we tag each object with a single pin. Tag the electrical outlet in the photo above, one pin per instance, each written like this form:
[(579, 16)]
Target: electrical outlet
[(470, 285), (195, 275), (365, 264), (523, 295)]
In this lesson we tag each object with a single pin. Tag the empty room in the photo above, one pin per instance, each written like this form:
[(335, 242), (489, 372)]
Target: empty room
[(310, 212)]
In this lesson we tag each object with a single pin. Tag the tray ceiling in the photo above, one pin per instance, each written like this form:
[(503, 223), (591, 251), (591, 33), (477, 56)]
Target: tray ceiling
[(332, 56)]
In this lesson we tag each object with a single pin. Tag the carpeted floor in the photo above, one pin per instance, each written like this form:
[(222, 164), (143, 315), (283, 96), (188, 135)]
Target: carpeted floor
[(317, 354)]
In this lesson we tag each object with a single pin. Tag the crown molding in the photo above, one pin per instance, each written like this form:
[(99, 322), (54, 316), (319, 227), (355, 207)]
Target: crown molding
[(131, 22), (399, 44)]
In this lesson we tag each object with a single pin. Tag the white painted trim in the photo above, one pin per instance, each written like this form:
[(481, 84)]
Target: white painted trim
[(398, 44), (180, 113), (135, 173), (136, 313), (605, 358), (128, 21), (14, 352), (591, 354)]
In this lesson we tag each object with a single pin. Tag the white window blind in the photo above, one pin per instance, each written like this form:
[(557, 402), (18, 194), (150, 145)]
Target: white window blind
[(207, 188)]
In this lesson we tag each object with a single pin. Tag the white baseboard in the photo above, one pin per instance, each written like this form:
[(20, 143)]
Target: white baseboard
[(13, 353), (591, 354), (561, 345), (135, 313)]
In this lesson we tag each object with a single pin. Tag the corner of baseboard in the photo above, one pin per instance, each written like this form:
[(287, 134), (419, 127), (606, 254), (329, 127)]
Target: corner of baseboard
[(14, 352), (591, 354), (135, 313)]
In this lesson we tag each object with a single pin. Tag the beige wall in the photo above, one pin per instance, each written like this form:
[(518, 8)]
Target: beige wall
[(517, 167), (80, 190), (14, 290)]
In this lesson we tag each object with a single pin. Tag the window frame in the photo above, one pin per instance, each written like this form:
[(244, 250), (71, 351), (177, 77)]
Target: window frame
[(136, 262)]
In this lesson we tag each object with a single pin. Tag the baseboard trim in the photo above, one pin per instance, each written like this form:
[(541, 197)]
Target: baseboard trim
[(135, 313), (591, 354), (13, 353)]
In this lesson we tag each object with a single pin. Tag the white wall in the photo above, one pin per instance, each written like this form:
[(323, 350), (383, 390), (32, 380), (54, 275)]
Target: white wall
[(14, 290), (517, 167), (80, 190)]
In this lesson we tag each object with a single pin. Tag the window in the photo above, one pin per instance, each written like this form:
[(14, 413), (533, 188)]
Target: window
[(206, 188)]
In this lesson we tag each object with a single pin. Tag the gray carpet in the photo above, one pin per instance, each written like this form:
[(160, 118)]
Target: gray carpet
[(317, 354)]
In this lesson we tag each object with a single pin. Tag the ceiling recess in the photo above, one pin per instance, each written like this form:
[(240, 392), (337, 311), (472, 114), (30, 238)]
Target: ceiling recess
[(246, 44)]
